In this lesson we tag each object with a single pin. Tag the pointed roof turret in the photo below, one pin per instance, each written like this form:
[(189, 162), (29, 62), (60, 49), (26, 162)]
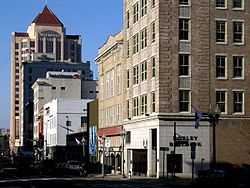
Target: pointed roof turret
[(47, 18)]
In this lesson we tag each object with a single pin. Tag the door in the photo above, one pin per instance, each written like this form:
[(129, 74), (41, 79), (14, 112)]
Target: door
[(140, 162)]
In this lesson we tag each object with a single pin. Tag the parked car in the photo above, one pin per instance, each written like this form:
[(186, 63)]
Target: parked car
[(76, 168)]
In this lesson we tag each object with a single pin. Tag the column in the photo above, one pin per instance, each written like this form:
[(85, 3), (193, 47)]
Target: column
[(150, 155), (44, 45)]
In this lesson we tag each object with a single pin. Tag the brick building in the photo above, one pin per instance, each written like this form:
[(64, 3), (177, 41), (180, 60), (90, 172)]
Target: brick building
[(181, 57)]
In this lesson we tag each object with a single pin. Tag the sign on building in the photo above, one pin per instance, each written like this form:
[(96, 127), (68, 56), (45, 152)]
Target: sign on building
[(92, 140)]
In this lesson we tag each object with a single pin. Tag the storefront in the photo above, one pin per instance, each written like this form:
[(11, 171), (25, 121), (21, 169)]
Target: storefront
[(150, 148)]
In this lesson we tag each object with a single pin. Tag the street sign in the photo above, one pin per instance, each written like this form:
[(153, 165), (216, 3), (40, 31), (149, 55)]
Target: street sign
[(164, 148), (107, 142), (193, 150)]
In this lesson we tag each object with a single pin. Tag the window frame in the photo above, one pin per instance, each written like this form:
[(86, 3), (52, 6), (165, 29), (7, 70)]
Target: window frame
[(188, 66), (153, 63), (135, 12), (143, 104), (144, 68), (220, 32), (143, 38), (220, 7), (225, 91), (242, 34), (135, 106), (183, 101), (182, 28), (183, 4), (225, 67), (153, 102), (143, 8), (136, 75), (153, 32), (243, 101), (238, 8), (243, 68), (136, 43)]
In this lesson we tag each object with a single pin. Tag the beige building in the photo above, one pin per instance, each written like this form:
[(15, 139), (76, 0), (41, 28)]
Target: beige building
[(181, 57), (111, 80), (45, 39)]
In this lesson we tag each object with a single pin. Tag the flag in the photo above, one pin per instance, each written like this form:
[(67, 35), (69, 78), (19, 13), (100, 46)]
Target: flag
[(198, 117)]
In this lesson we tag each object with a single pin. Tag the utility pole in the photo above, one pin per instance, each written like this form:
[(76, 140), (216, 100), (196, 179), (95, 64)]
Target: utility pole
[(173, 173), (103, 153), (123, 150)]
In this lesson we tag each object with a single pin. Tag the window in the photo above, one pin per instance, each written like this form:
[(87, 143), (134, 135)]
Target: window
[(238, 32), (153, 101), (184, 100), (53, 88), (136, 74), (144, 104), (144, 7), (238, 4), (32, 44), (238, 100), (135, 12), (184, 29), (153, 3), (238, 66), (183, 2), (220, 66), (127, 19), (128, 50), (128, 77), (221, 100), (64, 88), (128, 109), (128, 137), (144, 71), (135, 106), (135, 43), (153, 67), (153, 32), (144, 37), (184, 64), (220, 31), (220, 4), (49, 45), (16, 46)]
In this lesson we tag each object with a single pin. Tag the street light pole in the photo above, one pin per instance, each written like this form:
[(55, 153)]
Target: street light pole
[(213, 119), (214, 141), (123, 150), (103, 153)]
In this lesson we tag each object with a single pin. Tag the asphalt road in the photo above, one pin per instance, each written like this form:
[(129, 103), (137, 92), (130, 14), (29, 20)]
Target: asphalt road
[(86, 182)]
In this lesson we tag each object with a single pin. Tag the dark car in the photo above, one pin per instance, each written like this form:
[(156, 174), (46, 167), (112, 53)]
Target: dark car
[(76, 168), (220, 175)]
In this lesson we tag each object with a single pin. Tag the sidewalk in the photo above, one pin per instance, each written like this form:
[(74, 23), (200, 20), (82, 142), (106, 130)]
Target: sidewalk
[(170, 181)]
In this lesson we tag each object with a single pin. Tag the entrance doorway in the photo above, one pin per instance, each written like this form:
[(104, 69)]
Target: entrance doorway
[(140, 162)]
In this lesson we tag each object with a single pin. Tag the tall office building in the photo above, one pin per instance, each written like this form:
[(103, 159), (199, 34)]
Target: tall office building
[(185, 56), (45, 39)]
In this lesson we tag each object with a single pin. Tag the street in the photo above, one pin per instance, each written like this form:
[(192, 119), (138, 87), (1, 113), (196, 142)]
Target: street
[(92, 182)]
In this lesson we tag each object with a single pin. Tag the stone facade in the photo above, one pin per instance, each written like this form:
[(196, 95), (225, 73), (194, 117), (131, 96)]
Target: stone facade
[(111, 82)]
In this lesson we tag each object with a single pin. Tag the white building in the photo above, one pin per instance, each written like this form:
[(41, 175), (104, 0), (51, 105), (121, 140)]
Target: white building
[(60, 114), (55, 85)]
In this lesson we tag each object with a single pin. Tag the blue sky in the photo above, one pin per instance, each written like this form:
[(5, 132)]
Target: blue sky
[(93, 19)]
